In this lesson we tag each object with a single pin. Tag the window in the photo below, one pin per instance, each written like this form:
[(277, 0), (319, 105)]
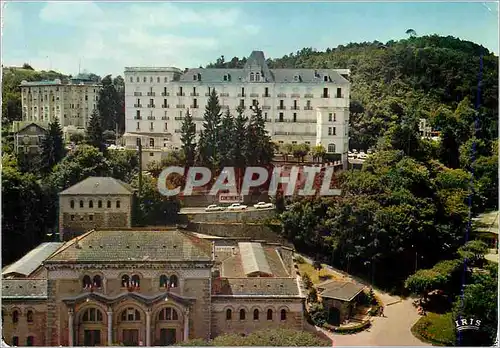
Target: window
[(330, 117), (86, 282), (91, 217), (334, 130), (91, 204), (151, 154), (145, 79), (242, 314), (308, 104), (334, 117), (269, 314), (109, 204), (151, 126), (151, 142), (81, 204), (118, 204), (15, 341), (325, 78), (165, 79), (225, 78), (166, 126), (137, 79), (194, 77), (168, 314), (130, 314), (283, 314), (15, 316), (72, 217), (242, 103), (266, 93), (158, 79), (131, 79), (125, 281), (281, 117), (325, 93), (242, 91), (256, 314), (254, 102), (97, 281), (164, 281), (265, 116), (296, 78), (329, 130), (257, 77), (252, 77), (229, 314), (331, 148), (136, 281), (174, 281), (294, 117), (72, 204), (339, 92), (99, 204), (30, 341), (29, 316), (92, 315), (151, 79)]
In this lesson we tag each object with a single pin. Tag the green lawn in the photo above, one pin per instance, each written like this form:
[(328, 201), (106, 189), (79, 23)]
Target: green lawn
[(437, 329), (315, 275)]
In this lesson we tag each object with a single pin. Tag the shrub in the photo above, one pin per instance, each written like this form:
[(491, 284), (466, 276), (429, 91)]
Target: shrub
[(307, 281), (312, 297), (299, 259), (348, 330), (318, 314)]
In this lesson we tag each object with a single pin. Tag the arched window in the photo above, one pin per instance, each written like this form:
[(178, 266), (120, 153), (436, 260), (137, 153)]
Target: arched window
[(242, 314), (29, 316), (130, 314), (174, 281), (92, 315), (125, 281), (15, 316), (257, 76), (255, 314), (331, 148), (72, 204), (118, 204), (99, 204), (229, 314), (81, 204), (251, 77), (283, 314), (163, 281), (97, 281), (269, 314), (137, 79), (86, 282), (136, 281), (168, 314), (91, 204)]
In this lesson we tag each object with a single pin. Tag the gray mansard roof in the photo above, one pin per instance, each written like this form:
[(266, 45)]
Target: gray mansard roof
[(257, 63), (99, 186)]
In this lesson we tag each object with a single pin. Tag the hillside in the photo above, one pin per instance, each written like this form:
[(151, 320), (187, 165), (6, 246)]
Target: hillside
[(400, 79)]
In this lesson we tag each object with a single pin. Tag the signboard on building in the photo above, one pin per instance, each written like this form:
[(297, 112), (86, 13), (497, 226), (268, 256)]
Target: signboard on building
[(230, 198)]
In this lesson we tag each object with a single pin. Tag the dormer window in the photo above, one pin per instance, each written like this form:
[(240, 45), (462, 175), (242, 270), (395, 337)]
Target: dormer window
[(257, 77), (252, 77), (195, 77), (296, 78), (325, 78), (225, 77)]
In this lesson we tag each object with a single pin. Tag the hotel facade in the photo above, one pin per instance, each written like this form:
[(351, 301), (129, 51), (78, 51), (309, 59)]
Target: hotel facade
[(299, 105)]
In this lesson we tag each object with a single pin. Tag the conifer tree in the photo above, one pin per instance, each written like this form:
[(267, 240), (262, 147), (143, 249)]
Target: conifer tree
[(94, 135), (259, 148), (188, 138), (227, 140), (52, 147), (209, 143)]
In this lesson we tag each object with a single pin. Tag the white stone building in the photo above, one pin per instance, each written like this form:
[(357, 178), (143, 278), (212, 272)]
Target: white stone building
[(299, 105), (70, 102)]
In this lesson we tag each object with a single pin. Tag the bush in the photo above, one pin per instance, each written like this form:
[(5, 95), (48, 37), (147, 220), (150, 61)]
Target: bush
[(318, 314), (312, 297), (306, 279), (348, 330), (299, 259)]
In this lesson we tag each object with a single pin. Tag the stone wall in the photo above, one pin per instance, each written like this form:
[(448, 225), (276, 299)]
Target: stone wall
[(228, 216), (22, 329), (204, 199), (241, 230)]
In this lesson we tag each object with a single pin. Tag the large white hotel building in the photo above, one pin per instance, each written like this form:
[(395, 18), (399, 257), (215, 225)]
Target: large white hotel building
[(299, 105)]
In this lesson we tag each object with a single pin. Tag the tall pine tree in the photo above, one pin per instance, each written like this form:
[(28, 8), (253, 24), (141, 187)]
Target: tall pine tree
[(94, 135), (240, 134), (52, 147), (188, 138), (259, 148), (227, 141), (209, 143)]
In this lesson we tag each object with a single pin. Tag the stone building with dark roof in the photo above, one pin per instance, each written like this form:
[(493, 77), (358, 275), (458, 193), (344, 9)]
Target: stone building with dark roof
[(148, 287), (96, 202)]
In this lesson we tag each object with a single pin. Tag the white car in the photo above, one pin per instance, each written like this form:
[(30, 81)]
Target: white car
[(262, 205), (237, 206), (214, 207)]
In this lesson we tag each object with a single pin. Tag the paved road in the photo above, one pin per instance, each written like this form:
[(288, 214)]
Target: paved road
[(198, 210), (391, 330)]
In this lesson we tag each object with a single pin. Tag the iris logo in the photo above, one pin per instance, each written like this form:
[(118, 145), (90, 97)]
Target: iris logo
[(467, 324)]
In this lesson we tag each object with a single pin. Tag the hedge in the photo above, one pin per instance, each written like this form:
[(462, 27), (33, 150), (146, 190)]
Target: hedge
[(348, 330)]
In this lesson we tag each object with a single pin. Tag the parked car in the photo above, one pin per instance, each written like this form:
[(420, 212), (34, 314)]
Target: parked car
[(214, 207), (237, 206), (263, 205)]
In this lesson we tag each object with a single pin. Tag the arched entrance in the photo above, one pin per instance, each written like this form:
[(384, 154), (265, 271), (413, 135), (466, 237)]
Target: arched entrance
[(168, 322), (91, 327), (131, 327), (334, 316)]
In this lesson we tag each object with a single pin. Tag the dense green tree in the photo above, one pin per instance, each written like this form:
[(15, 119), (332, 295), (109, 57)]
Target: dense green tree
[(94, 134), (52, 147), (188, 138), (259, 148), (227, 141), (239, 148), (110, 105), (209, 144)]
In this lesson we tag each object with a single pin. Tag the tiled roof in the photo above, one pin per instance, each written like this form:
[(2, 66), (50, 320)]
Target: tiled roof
[(344, 291), (24, 289), (95, 185), (32, 260), (141, 245), (256, 287)]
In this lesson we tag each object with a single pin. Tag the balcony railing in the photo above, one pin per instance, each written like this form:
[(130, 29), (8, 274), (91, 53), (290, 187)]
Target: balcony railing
[(339, 96), (224, 94), (180, 106), (194, 106), (308, 96), (241, 95), (197, 118), (138, 129), (266, 95), (151, 118), (137, 105), (281, 95), (266, 107), (194, 94), (165, 106), (295, 95), (151, 94), (151, 105), (308, 108), (177, 131), (179, 94), (325, 96), (295, 133), (242, 106), (254, 95), (165, 94), (281, 107), (138, 94), (295, 108), (178, 118), (165, 118), (208, 94)]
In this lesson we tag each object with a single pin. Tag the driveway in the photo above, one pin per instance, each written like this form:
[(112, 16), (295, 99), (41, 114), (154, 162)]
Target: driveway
[(391, 330)]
